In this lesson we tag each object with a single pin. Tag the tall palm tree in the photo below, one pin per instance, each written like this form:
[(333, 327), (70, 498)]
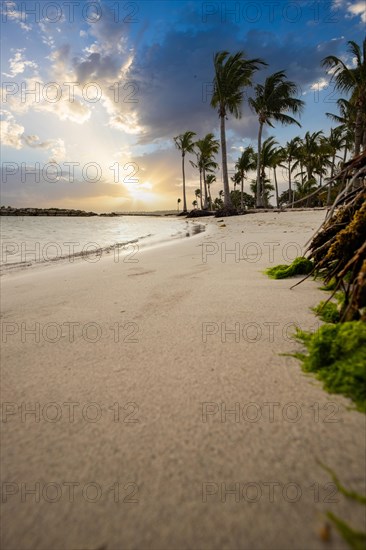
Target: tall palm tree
[(232, 74), (198, 195), (291, 152), (272, 101), (276, 159), (267, 160), (207, 148), (352, 80), (332, 144), (184, 142), (245, 163), (309, 153), (346, 120), (210, 179)]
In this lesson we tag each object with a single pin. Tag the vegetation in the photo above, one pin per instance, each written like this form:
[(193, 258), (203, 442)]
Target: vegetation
[(313, 163), (232, 74), (337, 354), (273, 100), (355, 539), (184, 143), (300, 266)]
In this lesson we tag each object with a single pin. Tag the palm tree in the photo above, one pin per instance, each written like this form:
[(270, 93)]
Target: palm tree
[(276, 159), (309, 153), (267, 160), (346, 120), (184, 143), (245, 163), (232, 74), (206, 149), (272, 100), (353, 81), (178, 203), (332, 144), (194, 203), (198, 194), (291, 152), (210, 179)]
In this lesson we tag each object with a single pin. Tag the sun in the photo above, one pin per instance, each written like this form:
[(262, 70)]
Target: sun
[(140, 191)]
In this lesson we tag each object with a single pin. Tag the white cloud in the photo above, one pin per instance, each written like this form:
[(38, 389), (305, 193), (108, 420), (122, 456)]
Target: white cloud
[(18, 64), (355, 8), (10, 12), (358, 9), (11, 132), (12, 135), (320, 84)]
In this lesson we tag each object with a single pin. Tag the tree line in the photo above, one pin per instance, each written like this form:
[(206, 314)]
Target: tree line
[(307, 161)]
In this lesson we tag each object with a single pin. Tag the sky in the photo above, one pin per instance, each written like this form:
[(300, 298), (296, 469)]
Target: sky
[(93, 92)]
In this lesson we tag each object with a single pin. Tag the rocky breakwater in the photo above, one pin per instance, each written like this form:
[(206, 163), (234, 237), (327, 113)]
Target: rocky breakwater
[(10, 211)]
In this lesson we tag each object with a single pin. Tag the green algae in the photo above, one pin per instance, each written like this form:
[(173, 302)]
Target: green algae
[(327, 312), (336, 353), (300, 266)]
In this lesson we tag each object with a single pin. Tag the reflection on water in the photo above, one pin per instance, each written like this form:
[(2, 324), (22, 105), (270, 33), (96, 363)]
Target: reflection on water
[(28, 240)]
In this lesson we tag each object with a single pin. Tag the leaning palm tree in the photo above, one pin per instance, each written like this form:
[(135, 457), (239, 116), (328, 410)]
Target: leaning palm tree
[(352, 80), (232, 74), (272, 100), (245, 163), (184, 142)]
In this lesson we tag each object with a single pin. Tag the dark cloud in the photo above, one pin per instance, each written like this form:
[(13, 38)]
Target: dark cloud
[(175, 76)]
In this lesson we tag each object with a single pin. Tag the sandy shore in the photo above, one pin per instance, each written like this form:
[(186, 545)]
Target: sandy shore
[(132, 373)]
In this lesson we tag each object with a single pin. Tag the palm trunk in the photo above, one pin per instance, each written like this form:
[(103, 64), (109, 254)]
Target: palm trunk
[(205, 189), (358, 131), (209, 197), (201, 189), (289, 183), (263, 179), (331, 176), (227, 198), (259, 191), (242, 192), (276, 186), (184, 186)]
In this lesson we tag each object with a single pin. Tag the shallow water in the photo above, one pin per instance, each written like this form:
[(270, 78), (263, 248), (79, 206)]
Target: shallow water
[(30, 240)]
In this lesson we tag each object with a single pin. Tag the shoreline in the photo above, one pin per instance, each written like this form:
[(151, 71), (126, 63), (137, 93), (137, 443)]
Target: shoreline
[(188, 342), (117, 249)]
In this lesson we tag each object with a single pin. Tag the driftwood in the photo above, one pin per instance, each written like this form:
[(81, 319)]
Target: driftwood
[(338, 247)]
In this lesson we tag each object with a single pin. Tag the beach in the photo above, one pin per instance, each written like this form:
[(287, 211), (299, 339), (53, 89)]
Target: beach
[(166, 413)]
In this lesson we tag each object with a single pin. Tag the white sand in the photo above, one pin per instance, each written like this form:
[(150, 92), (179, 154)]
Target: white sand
[(177, 463)]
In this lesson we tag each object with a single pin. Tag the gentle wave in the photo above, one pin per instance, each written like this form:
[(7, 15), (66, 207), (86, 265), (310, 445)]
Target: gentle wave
[(32, 240)]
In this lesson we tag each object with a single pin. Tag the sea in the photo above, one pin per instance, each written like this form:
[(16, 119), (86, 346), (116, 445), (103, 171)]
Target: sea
[(27, 241)]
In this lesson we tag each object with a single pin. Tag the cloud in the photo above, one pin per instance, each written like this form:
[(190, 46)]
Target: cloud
[(9, 12), (12, 135), (357, 9), (18, 64), (11, 132)]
